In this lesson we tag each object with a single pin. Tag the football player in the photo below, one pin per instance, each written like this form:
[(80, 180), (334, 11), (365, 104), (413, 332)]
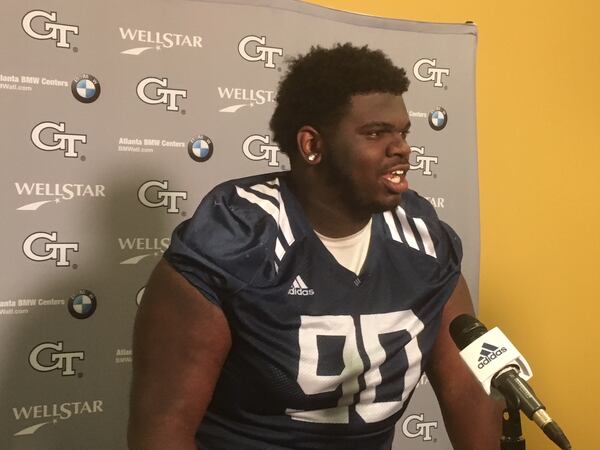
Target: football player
[(298, 310)]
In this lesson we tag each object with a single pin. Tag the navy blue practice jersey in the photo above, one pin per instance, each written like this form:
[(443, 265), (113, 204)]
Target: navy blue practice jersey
[(321, 358)]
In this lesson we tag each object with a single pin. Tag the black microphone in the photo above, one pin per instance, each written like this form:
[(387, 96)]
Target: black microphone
[(496, 362)]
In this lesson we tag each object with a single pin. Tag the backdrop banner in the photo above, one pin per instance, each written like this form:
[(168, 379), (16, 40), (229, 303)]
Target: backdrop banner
[(116, 119)]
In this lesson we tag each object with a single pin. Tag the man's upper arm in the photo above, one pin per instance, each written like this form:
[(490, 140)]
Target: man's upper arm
[(472, 418), (181, 341)]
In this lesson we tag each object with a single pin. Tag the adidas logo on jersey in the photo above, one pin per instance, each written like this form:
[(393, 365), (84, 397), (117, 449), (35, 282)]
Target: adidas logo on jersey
[(299, 287), (488, 353)]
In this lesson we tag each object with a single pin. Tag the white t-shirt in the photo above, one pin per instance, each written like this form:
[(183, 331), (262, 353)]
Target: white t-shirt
[(349, 251)]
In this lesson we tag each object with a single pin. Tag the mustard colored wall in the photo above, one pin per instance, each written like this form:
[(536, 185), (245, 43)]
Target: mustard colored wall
[(538, 103)]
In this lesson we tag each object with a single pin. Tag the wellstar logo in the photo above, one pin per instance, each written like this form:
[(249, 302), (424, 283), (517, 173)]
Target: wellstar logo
[(53, 413), (59, 192), (146, 246), (242, 97), (158, 40)]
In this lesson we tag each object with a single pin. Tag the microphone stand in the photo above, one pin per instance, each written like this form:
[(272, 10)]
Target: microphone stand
[(512, 437)]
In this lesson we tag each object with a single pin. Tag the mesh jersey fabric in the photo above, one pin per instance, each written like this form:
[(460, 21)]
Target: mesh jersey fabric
[(321, 358)]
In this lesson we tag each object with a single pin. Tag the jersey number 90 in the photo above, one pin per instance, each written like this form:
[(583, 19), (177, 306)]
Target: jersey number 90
[(372, 326)]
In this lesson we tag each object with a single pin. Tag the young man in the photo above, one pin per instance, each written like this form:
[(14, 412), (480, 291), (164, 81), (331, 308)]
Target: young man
[(298, 310)]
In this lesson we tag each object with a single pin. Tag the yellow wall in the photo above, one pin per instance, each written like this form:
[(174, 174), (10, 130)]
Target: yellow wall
[(538, 103)]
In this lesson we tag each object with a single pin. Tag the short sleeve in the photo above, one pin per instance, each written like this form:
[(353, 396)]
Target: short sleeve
[(453, 245), (223, 246)]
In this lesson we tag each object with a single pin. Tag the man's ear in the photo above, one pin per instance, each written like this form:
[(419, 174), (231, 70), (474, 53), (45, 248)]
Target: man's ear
[(310, 144)]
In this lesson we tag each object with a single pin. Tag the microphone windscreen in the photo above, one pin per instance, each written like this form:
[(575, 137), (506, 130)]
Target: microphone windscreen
[(464, 329)]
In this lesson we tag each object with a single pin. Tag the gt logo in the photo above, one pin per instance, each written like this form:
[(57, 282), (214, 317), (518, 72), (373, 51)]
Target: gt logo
[(265, 150), (342, 385), (55, 31), (60, 141), (432, 73), (61, 361), (163, 94), (165, 197), (422, 162), (53, 250), (421, 428), (262, 52)]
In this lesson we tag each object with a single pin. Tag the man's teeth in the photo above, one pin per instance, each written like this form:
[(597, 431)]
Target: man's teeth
[(396, 176)]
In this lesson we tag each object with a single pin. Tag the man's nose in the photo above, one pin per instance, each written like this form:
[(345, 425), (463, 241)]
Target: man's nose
[(399, 146)]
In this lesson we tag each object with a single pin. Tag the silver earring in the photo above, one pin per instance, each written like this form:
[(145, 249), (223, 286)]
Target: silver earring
[(311, 157)]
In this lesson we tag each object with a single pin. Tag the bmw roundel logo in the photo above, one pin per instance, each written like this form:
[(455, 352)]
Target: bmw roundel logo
[(200, 148), (438, 118), (83, 304), (85, 88)]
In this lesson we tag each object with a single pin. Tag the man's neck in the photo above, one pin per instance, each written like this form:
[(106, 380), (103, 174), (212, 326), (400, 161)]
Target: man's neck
[(325, 212)]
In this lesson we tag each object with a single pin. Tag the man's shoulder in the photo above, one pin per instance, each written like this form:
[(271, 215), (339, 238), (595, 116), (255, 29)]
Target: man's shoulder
[(248, 182), (415, 224), (249, 199), (241, 202), (416, 206), (235, 232)]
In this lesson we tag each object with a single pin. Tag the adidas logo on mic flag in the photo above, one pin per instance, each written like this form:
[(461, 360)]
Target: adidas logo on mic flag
[(491, 352), (488, 353)]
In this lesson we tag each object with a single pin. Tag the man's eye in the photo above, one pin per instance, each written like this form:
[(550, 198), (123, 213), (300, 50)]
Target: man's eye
[(374, 134), (405, 134)]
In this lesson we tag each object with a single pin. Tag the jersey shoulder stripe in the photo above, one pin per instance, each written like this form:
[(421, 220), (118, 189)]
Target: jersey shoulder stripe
[(412, 231), (268, 197)]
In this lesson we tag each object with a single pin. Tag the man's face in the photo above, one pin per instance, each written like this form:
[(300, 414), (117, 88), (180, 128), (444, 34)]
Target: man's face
[(366, 158)]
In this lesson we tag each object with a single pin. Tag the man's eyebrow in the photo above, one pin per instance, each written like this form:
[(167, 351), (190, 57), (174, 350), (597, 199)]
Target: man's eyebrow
[(382, 125), (376, 124)]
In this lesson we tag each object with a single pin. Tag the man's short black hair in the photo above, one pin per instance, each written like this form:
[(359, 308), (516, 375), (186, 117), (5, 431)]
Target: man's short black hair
[(318, 86)]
